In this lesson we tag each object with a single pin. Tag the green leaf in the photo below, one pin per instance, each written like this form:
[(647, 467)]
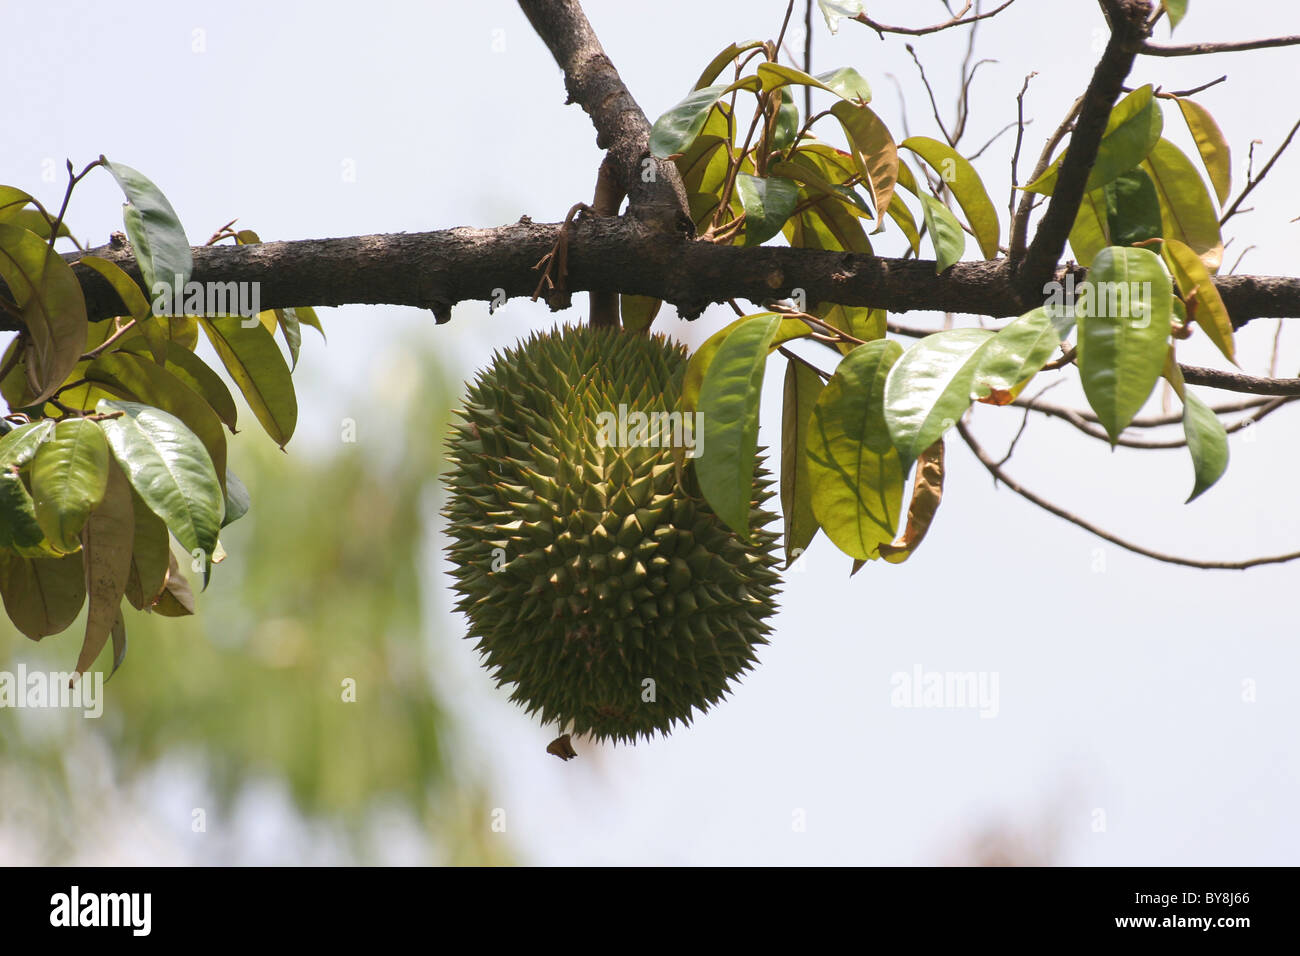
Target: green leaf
[(51, 305), (1207, 440), (161, 250), (106, 545), (967, 187), (787, 122), (835, 10), (905, 221), (143, 381), (18, 447), (137, 306), (874, 153), (150, 551), (195, 373), (846, 82), (803, 386), (638, 311), (860, 322), (237, 499), (1197, 288), (855, 472), (169, 469), (42, 595), (768, 203), (1124, 320), (1132, 209), (693, 380), (722, 60), (1091, 230), (18, 525), (674, 131), (1009, 360), (826, 224), (1134, 128), (306, 315), (1211, 144), (946, 234), (69, 475), (1176, 9), (1186, 209), (255, 363), (729, 399), (930, 387)]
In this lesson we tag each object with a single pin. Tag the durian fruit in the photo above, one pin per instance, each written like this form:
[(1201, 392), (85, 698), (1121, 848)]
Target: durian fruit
[(595, 577)]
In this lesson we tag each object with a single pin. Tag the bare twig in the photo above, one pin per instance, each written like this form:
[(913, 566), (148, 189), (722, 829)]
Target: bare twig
[(998, 474), (1202, 49), (1232, 210), (956, 21)]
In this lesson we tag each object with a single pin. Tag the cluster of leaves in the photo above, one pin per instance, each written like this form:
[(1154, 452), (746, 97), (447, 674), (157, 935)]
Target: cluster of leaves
[(851, 437), (115, 441)]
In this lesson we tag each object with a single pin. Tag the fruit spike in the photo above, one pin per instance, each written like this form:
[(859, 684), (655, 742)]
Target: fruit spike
[(595, 577)]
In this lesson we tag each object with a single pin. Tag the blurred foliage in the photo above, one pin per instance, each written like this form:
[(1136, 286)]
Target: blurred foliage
[(321, 586)]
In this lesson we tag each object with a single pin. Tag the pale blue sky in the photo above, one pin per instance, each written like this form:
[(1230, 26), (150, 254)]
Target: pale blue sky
[(1120, 690)]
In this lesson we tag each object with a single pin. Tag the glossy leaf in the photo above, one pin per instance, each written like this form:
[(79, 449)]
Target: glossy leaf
[(195, 373), (1207, 440), (846, 82), (1132, 209), (768, 203), (161, 249), (723, 60), (18, 447), (858, 321), (803, 386), (1204, 304), (967, 188), (855, 472), (874, 153), (1186, 209), (1216, 155), (69, 475), (106, 545), (1091, 230), (143, 381), (693, 380), (929, 388), (729, 400), (673, 132), (1133, 130), (255, 363), (169, 469), (51, 305), (1014, 355), (946, 234), (1124, 322)]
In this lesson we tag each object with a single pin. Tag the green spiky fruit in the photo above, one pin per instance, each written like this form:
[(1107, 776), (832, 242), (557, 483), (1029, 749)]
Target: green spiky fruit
[(595, 577)]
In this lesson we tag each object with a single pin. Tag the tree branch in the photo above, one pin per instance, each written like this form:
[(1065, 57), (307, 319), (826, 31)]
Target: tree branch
[(1128, 24), (955, 21), (436, 270), (658, 200)]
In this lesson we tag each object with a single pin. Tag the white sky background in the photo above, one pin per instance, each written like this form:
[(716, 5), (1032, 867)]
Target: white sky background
[(1119, 690)]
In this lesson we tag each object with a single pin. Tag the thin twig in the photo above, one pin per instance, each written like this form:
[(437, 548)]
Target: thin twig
[(1202, 49), (1232, 210), (999, 475), (956, 21)]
